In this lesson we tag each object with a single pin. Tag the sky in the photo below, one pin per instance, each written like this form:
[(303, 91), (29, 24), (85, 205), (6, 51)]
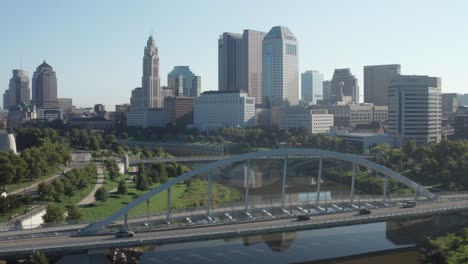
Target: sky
[(96, 47)]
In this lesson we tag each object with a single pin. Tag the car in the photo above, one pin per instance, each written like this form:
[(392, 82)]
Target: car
[(364, 211), (409, 204), (303, 218), (124, 233)]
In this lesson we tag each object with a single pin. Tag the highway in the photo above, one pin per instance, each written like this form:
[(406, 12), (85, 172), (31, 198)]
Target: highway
[(218, 231)]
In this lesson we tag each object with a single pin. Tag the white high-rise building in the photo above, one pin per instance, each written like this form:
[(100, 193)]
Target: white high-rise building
[(219, 109), (150, 82), (311, 86), (280, 67), (415, 109)]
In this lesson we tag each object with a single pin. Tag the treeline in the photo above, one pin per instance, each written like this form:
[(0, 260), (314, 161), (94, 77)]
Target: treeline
[(448, 249), (33, 162), (272, 138), (157, 173), (444, 163), (72, 181)]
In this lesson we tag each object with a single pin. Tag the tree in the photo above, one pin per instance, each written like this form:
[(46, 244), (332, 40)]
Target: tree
[(113, 169), (122, 188), (38, 258), (54, 214), (46, 191), (7, 171), (142, 183), (101, 195), (74, 213)]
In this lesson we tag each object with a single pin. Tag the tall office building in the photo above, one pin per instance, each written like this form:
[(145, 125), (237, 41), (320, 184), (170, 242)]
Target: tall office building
[(376, 79), (326, 91), (137, 100), (240, 63), (280, 67), (311, 86), (150, 82), (344, 82), (415, 110), (183, 82), (449, 102), (6, 99), (44, 87), (251, 75), (229, 62), (19, 88)]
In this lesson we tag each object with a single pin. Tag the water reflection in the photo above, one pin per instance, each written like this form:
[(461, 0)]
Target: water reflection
[(276, 242)]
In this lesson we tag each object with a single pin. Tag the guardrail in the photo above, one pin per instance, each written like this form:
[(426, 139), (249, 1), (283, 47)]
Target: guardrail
[(235, 231)]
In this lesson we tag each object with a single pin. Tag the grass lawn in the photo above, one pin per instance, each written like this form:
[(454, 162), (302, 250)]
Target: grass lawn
[(26, 182), (98, 211), (78, 195)]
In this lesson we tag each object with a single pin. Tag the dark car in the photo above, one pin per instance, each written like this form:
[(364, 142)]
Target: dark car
[(124, 233), (303, 218), (409, 204), (364, 211)]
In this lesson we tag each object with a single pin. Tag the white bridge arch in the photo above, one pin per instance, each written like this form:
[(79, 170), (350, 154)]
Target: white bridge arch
[(296, 152)]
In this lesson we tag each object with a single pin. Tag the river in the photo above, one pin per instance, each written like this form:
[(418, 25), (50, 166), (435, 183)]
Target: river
[(386, 242)]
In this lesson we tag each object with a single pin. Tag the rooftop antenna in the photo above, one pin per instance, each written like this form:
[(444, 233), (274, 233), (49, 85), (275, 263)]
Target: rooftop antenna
[(21, 61)]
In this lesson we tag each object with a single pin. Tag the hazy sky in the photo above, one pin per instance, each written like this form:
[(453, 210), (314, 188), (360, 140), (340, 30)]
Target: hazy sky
[(96, 47)]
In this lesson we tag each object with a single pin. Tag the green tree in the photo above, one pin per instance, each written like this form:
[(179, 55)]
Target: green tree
[(74, 213), (53, 214), (142, 183), (122, 188), (101, 195), (38, 258), (7, 171)]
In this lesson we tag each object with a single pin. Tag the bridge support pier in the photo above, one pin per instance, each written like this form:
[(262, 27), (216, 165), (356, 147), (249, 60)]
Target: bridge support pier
[(353, 180), (168, 206), (319, 181), (385, 186), (126, 221), (208, 208), (283, 182), (247, 185)]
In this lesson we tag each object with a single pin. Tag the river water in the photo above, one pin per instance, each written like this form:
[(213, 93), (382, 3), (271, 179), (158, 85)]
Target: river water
[(346, 245)]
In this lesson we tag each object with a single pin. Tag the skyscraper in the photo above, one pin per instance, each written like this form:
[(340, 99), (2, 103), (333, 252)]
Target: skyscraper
[(150, 82), (229, 62), (19, 88), (311, 86), (6, 99), (136, 100), (183, 82), (280, 67), (240, 63), (251, 61), (343, 81), (44, 87), (376, 79), (326, 91), (414, 110)]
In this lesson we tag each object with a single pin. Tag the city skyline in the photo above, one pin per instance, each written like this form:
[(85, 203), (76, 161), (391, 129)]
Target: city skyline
[(90, 44)]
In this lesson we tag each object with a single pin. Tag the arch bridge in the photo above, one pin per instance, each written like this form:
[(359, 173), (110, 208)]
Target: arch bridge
[(284, 154)]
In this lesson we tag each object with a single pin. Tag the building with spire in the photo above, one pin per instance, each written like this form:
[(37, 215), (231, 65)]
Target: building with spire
[(280, 67), (44, 87), (153, 94)]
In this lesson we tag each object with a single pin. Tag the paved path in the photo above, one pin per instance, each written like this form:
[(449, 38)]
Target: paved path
[(100, 181)]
